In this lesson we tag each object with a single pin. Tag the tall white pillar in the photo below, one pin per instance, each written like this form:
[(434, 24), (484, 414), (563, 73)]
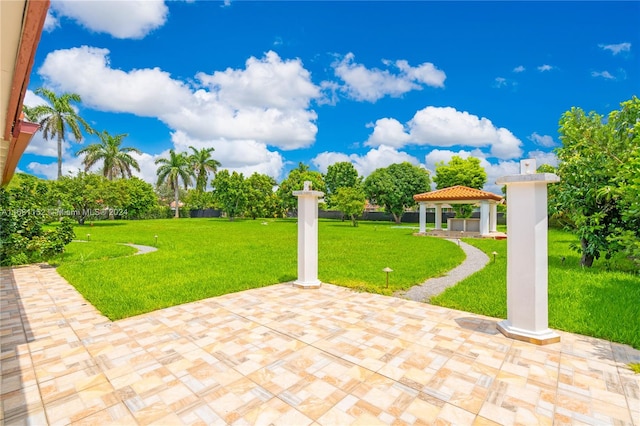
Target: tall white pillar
[(527, 261), (423, 218), (493, 217), (307, 237), (484, 218), (439, 217)]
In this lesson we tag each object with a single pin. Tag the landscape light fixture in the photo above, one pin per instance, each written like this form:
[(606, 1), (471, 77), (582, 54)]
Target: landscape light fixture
[(156, 237), (387, 270), (495, 253), (88, 237)]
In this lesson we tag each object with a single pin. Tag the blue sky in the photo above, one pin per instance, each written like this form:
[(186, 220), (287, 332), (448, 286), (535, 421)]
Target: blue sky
[(270, 84)]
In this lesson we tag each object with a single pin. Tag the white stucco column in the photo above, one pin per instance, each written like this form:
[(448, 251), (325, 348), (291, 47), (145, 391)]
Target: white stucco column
[(527, 261), (423, 218), (439, 217), (484, 218), (493, 217), (307, 237)]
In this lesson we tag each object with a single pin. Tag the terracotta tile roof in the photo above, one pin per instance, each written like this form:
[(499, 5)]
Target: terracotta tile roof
[(457, 193)]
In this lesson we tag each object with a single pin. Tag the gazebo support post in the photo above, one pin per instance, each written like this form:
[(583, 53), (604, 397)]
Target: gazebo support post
[(484, 218), (438, 217), (423, 218), (493, 218)]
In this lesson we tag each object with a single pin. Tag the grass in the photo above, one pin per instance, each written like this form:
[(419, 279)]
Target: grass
[(200, 258), (601, 301)]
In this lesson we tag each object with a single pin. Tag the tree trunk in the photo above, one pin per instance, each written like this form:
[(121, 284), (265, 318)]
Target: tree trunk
[(59, 157), (176, 194), (587, 259), (397, 218)]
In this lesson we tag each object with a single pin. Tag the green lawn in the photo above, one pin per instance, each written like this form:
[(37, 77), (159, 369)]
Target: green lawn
[(602, 301), (200, 258)]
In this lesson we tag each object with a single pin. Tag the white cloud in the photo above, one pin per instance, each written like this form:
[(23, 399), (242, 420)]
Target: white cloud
[(70, 165), (50, 22), (122, 19), (267, 83), (545, 67), (363, 84), (388, 131), (604, 74), (383, 156), (446, 127), (616, 48), (267, 102), (519, 68), (499, 82), (542, 140)]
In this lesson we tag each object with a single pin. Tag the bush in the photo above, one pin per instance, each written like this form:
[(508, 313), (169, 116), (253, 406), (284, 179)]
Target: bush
[(22, 238)]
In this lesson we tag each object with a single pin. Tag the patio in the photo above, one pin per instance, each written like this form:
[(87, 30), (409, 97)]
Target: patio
[(283, 355)]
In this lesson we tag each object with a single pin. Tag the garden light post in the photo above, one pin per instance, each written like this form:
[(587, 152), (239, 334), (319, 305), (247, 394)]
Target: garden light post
[(387, 270), (307, 237), (527, 262)]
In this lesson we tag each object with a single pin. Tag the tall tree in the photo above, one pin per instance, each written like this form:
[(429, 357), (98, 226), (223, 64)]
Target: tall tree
[(58, 118), (229, 193), (340, 175), (173, 169), (261, 200), (351, 201), (466, 172), (599, 184), (394, 187), (116, 159), (202, 164)]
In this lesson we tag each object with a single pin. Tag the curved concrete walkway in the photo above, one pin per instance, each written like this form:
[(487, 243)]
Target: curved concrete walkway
[(476, 260), (141, 249)]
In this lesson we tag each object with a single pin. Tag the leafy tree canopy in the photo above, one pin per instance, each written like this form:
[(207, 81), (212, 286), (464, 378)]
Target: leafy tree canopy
[(57, 118), (261, 199), (459, 171), (599, 191), (116, 159), (351, 201), (340, 175), (229, 193), (394, 187)]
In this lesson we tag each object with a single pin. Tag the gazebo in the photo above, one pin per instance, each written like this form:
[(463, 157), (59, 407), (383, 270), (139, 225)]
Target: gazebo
[(483, 227)]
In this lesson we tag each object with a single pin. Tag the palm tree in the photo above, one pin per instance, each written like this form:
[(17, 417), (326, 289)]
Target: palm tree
[(58, 118), (116, 159), (172, 169), (202, 164)]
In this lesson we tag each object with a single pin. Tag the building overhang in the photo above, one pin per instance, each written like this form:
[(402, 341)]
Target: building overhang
[(22, 22)]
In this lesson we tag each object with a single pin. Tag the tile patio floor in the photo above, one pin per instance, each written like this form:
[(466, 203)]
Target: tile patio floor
[(286, 356)]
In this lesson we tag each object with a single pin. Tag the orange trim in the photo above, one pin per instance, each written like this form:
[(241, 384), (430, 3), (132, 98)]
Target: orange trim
[(26, 131), (34, 17)]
